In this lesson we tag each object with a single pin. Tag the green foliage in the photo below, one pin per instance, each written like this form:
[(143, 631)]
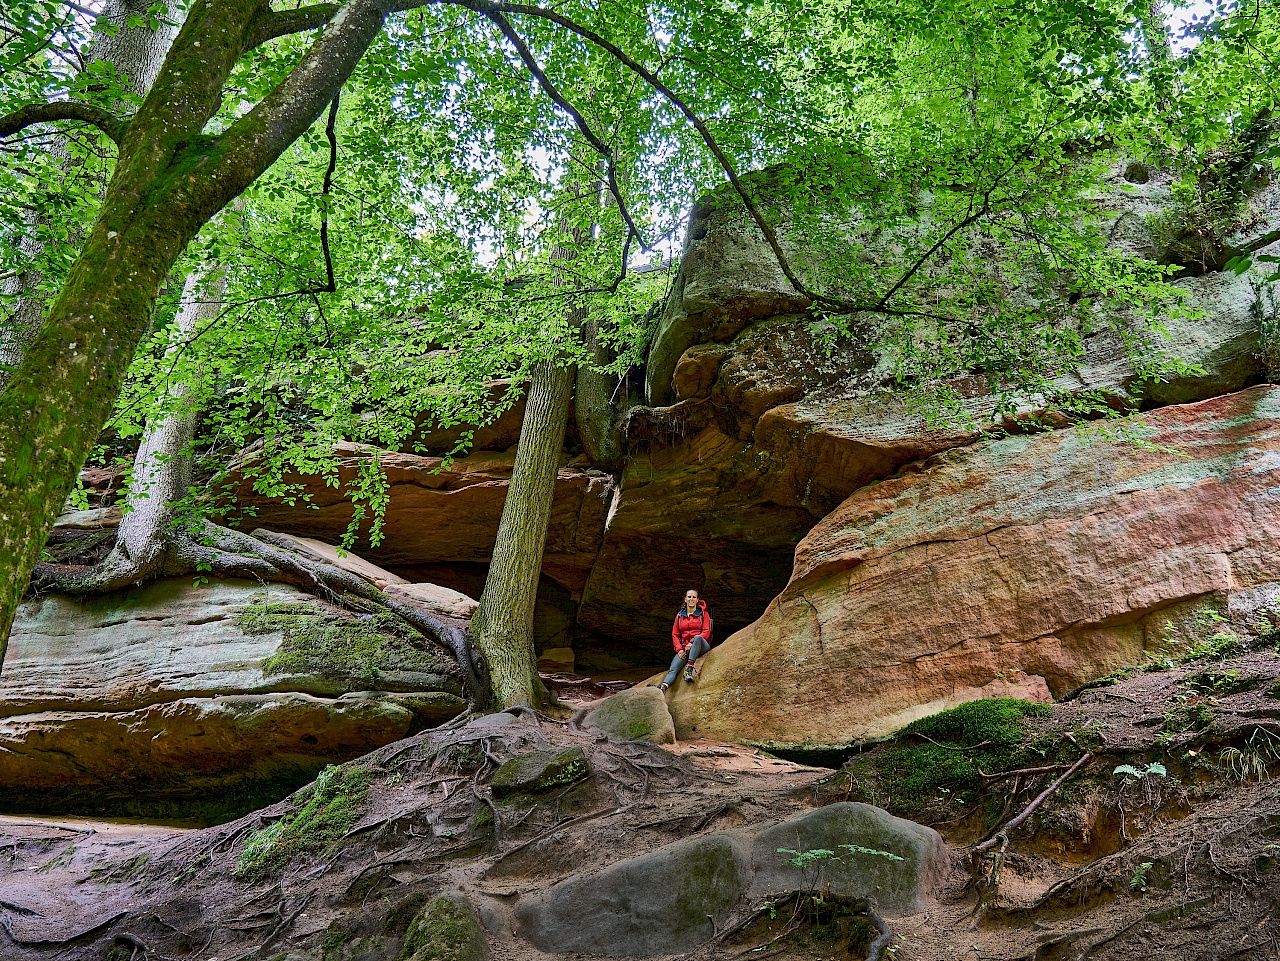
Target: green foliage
[(1139, 880), (1253, 760), (326, 812), (318, 642), (938, 162), (1211, 646), (1185, 718), (1154, 769), (1265, 312), (986, 734), (1222, 683)]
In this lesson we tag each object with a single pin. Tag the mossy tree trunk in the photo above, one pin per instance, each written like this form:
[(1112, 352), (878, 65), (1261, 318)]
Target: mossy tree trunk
[(169, 180), (502, 626)]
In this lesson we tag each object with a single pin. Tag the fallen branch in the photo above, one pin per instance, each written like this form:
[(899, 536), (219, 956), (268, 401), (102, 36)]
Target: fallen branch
[(1030, 809), (1024, 770)]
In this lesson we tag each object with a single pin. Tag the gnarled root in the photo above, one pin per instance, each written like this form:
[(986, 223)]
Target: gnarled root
[(262, 556)]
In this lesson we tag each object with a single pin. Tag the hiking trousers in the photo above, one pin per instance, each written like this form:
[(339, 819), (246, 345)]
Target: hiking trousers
[(696, 650)]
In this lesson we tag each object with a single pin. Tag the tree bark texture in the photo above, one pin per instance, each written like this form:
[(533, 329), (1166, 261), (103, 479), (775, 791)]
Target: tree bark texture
[(136, 52), (502, 626), (595, 411), (170, 179)]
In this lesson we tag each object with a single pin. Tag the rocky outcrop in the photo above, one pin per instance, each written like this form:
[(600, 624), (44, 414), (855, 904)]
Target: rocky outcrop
[(1049, 559), (440, 511), (673, 899), (204, 701), (758, 430)]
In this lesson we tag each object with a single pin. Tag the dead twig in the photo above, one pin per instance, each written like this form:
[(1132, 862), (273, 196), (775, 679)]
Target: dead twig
[(1031, 808), (1048, 768)]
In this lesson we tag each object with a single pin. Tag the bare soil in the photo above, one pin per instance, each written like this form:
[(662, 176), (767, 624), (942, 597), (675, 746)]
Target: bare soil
[(1184, 864)]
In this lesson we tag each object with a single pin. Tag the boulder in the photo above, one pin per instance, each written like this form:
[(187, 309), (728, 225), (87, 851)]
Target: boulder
[(638, 714), (171, 694), (540, 771), (668, 900), (897, 862), (675, 898), (1060, 556), (445, 930)]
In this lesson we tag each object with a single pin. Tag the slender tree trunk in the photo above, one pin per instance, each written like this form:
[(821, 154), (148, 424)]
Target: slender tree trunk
[(594, 411), (502, 626), (137, 52)]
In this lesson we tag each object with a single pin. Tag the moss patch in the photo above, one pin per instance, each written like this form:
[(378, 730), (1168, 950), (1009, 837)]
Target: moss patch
[(328, 644), (446, 930), (540, 770), (1222, 683), (327, 812), (936, 759)]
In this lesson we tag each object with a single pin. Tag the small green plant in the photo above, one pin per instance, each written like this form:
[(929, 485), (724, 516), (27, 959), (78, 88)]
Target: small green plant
[(1185, 718), (1139, 880), (1154, 769), (1252, 761), (1222, 683), (1264, 310)]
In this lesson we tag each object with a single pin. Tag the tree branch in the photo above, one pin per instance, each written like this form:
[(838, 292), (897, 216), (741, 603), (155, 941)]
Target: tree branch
[(331, 285), (558, 99), (34, 113), (726, 164), (272, 24)]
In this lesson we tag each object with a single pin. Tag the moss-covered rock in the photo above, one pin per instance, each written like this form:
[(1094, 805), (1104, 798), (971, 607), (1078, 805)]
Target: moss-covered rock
[(872, 854), (326, 813), (540, 770), (365, 647), (938, 758), (445, 930), (639, 714), (666, 901)]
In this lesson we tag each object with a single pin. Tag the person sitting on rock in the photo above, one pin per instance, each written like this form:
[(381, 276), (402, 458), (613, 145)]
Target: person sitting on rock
[(690, 636)]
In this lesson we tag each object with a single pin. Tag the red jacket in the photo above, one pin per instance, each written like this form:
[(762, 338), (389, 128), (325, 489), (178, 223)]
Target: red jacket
[(688, 626)]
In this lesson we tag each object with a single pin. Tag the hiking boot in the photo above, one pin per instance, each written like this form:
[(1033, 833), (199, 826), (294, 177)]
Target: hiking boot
[(688, 673)]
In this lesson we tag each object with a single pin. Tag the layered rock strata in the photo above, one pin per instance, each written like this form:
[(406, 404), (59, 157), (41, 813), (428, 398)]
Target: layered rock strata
[(172, 699), (1029, 562)]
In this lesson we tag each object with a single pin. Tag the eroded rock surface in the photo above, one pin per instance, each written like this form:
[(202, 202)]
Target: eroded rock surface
[(178, 698), (674, 898), (1049, 559)]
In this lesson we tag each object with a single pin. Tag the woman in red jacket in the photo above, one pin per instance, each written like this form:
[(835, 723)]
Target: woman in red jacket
[(690, 636)]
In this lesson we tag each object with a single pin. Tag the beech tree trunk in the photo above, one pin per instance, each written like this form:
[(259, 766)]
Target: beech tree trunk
[(137, 52), (502, 626), (170, 178), (595, 411)]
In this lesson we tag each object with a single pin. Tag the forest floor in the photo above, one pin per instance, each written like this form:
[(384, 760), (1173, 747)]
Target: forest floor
[(1176, 855)]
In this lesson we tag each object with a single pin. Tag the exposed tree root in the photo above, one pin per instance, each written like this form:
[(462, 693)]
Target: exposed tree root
[(262, 556), (988, 880)]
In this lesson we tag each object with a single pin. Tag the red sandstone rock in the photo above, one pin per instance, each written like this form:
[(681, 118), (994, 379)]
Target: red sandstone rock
[(438, 513), (1060, 556)]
